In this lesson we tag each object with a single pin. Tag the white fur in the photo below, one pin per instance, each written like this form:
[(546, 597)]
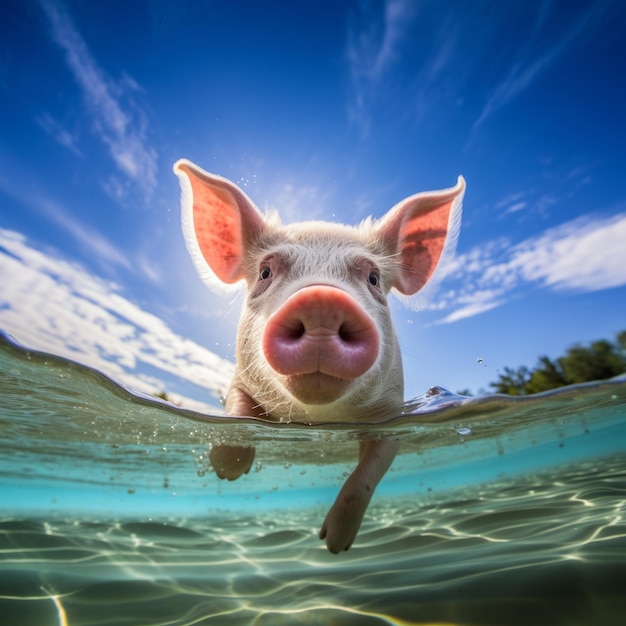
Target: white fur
[(414, 302)]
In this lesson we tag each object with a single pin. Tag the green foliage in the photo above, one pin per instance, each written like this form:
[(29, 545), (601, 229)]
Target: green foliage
[(512, 382), (598, 361), (548, 375)]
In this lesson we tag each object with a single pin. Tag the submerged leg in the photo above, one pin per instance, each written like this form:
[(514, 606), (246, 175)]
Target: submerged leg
[(230, 462), (346, 514)]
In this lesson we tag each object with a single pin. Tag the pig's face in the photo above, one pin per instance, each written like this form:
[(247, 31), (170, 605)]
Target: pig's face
[(315, 340)]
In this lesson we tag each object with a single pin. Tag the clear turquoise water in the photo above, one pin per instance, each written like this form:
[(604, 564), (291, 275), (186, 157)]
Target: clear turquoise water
[(497, 511)]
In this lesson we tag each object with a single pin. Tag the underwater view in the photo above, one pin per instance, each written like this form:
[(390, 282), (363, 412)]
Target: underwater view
[(498, 510)]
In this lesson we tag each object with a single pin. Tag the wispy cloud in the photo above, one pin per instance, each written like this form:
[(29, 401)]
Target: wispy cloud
[(58, 132), (123, 129), (89, 238), (583, 255), (49, 304), (373, 48), (484, 301), (512, 203), (544, 46), (555, 183), (293, 201)]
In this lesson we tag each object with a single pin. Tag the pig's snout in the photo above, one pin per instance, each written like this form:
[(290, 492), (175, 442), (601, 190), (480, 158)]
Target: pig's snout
[(321, 330)]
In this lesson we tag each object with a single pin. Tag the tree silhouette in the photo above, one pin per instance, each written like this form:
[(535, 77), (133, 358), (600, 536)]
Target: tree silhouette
[(549, 375), (512, 381), (598, 361)]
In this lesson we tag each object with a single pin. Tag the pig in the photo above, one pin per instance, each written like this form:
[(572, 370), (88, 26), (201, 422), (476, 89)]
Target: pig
[(315, 341)]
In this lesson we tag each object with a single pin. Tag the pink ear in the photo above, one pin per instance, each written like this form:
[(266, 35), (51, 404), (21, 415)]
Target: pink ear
[(219, 222), (418, 231)]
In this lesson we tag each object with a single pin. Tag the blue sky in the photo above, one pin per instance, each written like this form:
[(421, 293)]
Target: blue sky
[(321, 110)]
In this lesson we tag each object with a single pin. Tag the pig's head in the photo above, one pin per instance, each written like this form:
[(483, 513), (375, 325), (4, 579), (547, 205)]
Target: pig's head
[(315, 340)]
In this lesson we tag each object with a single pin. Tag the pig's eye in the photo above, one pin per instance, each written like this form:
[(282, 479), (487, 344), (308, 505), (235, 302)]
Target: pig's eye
[(374, 279), (265, 273)]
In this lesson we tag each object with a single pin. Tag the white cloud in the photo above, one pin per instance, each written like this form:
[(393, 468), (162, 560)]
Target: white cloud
[(582, 255), (122, 129), (586, 254), (49, 304), (511, 199), (517, 206), (469, 310)]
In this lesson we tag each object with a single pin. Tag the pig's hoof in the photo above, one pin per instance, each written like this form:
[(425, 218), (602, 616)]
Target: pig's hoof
[(333, 543), (343, 522), (230, 462)]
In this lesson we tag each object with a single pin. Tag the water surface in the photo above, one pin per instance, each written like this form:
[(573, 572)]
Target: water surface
[(497, 510)]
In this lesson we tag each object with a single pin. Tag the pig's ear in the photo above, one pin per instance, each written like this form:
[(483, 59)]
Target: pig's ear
[(219, 224), (421, 233)]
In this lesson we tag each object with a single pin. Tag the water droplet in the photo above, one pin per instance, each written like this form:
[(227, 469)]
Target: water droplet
[(463, 431), (201, 473), (479, 361)]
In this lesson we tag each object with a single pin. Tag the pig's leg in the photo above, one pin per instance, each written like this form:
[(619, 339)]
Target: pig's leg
[(231, 462), (344, 518)]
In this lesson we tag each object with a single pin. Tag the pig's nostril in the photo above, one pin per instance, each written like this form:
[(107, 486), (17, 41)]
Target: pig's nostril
[(296, 331), (345, 334)]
